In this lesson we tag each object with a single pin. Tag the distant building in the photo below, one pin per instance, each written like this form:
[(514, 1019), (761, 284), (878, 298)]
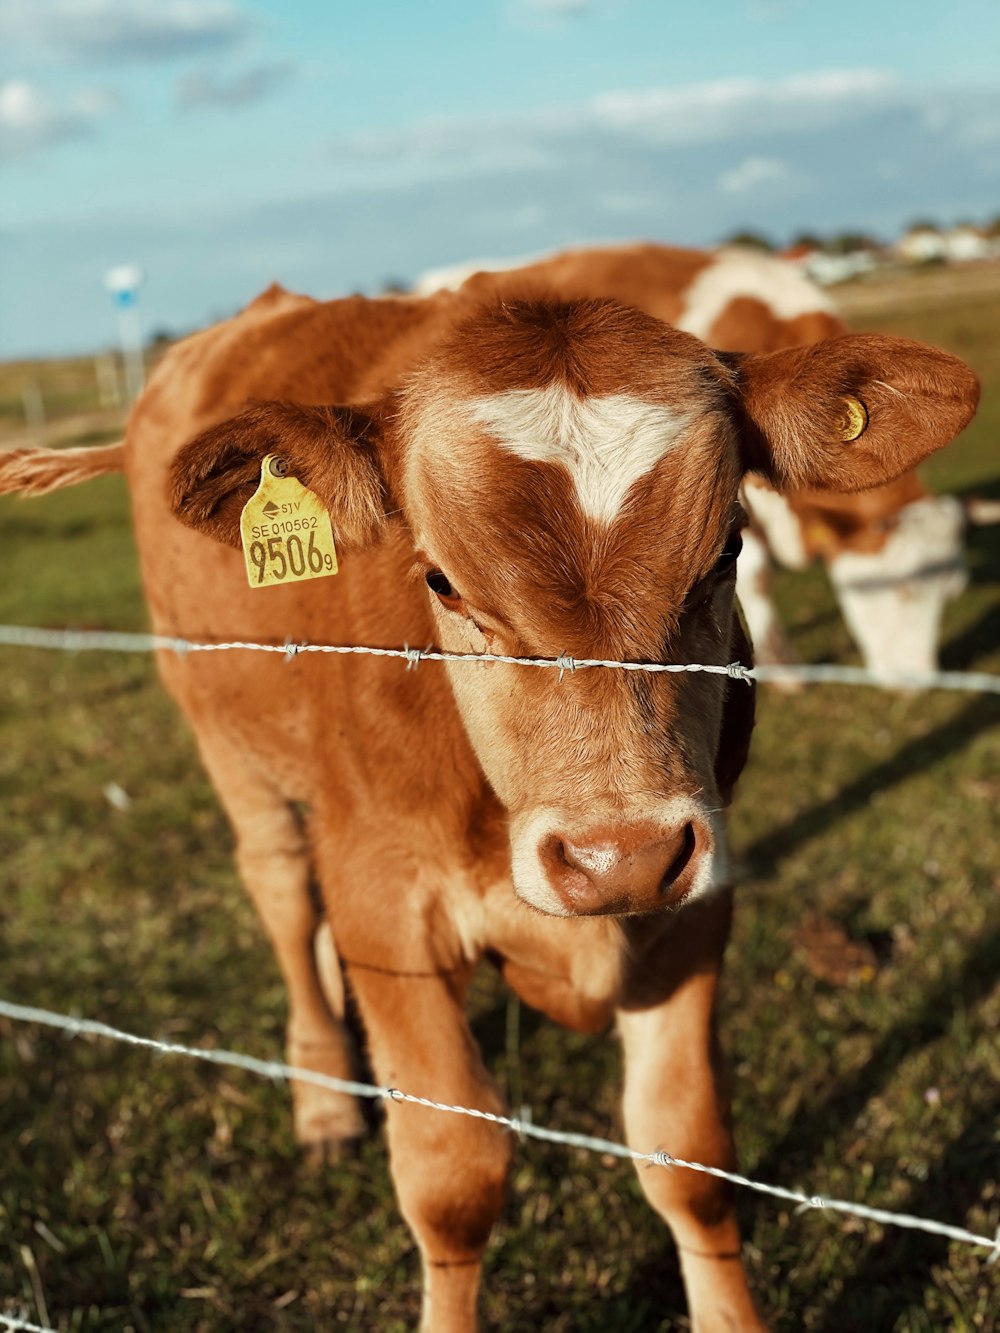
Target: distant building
[(836, 260), (828, 269), (921, 245), (966, 244)]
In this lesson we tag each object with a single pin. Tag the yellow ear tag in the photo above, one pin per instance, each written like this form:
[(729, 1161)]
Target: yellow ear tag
[(854, 421), (286, 531)]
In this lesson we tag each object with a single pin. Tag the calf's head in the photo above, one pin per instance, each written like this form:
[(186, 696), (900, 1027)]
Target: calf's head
[(568, 474)]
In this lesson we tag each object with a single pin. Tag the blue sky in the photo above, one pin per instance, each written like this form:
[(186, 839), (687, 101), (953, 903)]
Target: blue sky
[(334, 144)]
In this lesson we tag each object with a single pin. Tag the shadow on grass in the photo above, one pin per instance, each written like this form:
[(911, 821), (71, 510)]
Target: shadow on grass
[(655, 1299), (921, 753), (881, 1291), (962, 985), (962, 652)]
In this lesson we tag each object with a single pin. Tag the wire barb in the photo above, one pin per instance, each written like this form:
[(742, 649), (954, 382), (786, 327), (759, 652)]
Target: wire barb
[(565, 663), (816, 1201)]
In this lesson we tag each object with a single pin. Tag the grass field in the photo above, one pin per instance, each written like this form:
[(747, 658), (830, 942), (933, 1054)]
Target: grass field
[(157, 1195)]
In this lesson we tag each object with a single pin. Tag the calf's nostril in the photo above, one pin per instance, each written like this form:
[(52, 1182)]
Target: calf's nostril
[(681, 860)]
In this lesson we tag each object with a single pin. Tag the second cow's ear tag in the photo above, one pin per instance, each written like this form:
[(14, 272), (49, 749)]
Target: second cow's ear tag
[(286, 530)]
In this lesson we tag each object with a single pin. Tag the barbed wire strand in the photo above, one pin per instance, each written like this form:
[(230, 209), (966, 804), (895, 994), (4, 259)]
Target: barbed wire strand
[(13, 1321), (277, 1071), (116, 641)]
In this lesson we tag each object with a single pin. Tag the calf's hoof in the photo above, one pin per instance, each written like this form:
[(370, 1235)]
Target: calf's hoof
[(327, 1124)]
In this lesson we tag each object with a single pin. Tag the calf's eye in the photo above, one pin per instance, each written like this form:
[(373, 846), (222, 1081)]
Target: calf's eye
[(730, 551), (440, 584)]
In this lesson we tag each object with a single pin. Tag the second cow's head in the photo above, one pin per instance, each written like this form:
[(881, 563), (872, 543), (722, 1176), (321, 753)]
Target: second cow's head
[(568, 475)]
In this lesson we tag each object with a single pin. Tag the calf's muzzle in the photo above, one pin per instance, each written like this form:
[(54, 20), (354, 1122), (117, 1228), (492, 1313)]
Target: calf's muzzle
[(623, 871)]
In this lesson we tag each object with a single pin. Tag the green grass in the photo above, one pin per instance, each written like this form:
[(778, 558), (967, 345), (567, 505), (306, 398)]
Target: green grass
[(154, 1194)]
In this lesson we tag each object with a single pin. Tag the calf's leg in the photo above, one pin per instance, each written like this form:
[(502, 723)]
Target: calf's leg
[(755, 590), (273, 857), (674, 1103), (449, 1170)]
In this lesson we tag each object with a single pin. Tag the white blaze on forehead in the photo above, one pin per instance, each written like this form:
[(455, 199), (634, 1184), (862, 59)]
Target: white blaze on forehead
[(733, 273), (606, 444)]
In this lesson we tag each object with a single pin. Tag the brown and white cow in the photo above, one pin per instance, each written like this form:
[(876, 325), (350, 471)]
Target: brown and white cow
[(894, 554), (532, 478)]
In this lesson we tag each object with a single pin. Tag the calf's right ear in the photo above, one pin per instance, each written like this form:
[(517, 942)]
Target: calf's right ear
[(332, 451), (850, 413)]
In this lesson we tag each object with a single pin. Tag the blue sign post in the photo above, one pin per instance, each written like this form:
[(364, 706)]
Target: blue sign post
[(123, 283)]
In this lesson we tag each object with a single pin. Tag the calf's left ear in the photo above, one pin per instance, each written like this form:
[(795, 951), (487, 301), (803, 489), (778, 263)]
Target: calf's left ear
[(850, 413), (333, 451)]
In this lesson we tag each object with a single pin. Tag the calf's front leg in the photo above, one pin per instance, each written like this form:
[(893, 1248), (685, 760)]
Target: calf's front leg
[(674, 1103), (449, 1171), (755, 590)]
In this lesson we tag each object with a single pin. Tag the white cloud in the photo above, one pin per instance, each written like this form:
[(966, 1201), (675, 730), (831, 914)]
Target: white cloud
[(685, 116), (204, 89), (445, 148), (97, 31), (969, 116), (29, 120), (696, 112), (753, 172)]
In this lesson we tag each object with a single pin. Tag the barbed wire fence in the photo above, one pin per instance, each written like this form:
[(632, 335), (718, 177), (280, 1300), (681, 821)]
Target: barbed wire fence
[(823, 673), (277, 1071), (74, 641)]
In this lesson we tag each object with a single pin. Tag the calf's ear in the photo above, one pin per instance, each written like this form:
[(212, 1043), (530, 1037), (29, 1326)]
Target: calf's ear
[(850, 413), (332, 451)]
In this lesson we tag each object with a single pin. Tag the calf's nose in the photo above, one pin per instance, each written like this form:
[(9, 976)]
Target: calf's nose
[(618, 872)]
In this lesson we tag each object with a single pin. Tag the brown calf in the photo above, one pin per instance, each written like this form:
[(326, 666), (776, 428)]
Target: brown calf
[(528, 478)]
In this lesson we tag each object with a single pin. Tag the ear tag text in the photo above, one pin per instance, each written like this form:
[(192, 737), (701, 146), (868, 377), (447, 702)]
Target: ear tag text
[(286, 531)]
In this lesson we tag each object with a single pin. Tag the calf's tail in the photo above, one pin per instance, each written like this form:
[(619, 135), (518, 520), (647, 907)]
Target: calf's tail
[(38, 471)]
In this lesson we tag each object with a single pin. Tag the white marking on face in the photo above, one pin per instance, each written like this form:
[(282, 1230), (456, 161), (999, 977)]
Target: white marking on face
[(779, 523), (606, 444), (893, 599), (734, 273)]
